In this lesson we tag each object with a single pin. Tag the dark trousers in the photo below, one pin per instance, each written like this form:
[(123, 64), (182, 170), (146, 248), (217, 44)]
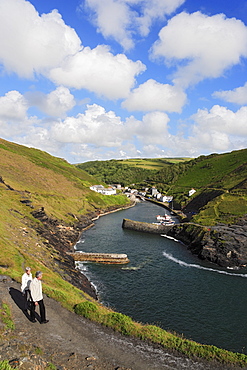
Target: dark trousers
[(27, 294), (41, 310), (27, 297)]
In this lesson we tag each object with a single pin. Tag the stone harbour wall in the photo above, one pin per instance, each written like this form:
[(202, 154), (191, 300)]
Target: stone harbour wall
[(145, 227), (108, 258)]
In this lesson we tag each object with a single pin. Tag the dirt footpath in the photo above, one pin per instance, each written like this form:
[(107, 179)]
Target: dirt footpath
[(71, 342)]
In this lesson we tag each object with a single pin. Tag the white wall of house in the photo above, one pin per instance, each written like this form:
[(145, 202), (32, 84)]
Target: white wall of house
[(102, 190)]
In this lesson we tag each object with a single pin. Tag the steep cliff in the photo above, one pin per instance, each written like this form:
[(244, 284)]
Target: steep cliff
[(225, 245)]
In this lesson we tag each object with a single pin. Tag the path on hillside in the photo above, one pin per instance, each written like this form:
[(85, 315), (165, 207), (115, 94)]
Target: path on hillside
[(73, 342)]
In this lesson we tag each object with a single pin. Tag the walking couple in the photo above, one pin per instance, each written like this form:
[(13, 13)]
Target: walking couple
[(33, 288)]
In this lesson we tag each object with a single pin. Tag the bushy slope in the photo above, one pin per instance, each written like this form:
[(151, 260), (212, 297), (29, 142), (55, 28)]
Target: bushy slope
[(117, 171)]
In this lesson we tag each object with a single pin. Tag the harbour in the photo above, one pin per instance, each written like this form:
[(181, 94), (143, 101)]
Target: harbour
[(164, 284)]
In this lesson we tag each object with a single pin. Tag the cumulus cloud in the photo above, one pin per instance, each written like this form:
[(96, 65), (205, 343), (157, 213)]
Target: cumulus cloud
[(98, 70), (153, 129), (128, 17), (237, 96), (34, 45), (13, 106), (95, 126), (99, 129), (154, 96), (55, 104), (201, 46), (221, 119), (101, 134), (30, 43)]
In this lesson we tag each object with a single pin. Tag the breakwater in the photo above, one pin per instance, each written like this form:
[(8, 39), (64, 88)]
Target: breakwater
[(108, 258), (145, 227)]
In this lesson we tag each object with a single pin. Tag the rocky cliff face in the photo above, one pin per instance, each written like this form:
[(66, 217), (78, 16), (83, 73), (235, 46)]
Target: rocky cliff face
[(225, 245), (63, 238)]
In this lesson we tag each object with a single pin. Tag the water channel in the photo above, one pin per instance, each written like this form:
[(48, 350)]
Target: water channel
[(164, 284)]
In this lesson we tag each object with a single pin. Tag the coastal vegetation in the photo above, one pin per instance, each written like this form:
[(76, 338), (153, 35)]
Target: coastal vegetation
[(31, 180), (6, 317)]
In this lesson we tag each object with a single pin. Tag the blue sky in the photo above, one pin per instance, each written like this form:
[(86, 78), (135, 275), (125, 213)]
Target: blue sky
[(102, 79)]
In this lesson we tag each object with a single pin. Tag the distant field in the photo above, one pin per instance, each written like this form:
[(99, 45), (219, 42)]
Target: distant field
[(152, 164)]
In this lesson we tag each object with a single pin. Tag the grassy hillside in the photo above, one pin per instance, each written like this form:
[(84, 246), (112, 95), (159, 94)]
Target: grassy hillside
[(219, 180), (44, 181)]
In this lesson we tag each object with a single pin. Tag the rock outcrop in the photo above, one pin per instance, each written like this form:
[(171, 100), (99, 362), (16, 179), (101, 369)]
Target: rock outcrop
[(63, 238), (225, 245)]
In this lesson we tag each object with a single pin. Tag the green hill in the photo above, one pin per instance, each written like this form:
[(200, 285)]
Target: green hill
[(129, 171), (32, 180), (219, 180)]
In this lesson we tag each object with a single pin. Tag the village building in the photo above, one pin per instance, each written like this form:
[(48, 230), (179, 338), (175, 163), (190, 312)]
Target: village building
[(102, 190)]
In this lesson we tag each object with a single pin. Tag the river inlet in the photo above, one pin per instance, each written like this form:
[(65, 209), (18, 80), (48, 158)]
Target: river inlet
[(164, 284)]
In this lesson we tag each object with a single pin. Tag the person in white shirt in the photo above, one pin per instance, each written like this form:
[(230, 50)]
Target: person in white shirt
[(25, 282), (37, 298)]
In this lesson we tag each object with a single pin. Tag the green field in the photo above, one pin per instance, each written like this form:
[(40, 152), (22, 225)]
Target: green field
[(152, 164)]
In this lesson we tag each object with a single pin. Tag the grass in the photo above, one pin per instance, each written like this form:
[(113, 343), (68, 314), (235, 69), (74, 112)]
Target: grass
[(4, 365), (6, 317), (226, 208), (126, 326), (50, 366), (152, 163)]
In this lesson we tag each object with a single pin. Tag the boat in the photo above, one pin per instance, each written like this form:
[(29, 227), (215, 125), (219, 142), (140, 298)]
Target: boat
[(165, 220), (166, 217)]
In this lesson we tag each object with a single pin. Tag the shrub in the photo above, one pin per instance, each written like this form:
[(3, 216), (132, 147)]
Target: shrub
[(120, 322), (87, 309)]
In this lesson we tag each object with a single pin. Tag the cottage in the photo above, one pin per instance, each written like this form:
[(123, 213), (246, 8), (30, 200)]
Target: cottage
[(102, 190)]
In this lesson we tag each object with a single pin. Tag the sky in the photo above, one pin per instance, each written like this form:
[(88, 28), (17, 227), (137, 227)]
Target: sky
[(112, 79)]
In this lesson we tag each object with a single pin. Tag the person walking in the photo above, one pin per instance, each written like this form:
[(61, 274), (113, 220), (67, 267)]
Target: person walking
[(25, 285), (37, 298)]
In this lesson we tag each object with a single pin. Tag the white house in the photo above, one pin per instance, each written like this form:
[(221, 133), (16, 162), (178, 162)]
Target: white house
[(191, 192), (105, 191), (166, 198), (154, 191)]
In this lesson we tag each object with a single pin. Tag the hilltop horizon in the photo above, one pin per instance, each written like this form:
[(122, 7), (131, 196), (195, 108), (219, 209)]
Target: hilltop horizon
[(90, 80)]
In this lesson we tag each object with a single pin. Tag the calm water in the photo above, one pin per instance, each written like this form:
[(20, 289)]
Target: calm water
[(164, 284)]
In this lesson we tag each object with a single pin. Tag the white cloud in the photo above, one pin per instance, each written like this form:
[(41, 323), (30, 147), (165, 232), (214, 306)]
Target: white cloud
[(96, 129), (30, 43), (95, 126), (100, 134), (237, 96), (153, 129), (223, 120), (34, 44), (153, 96), (129, 17), (13, 106), (98, 70), (55, 104), (204, 45)]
